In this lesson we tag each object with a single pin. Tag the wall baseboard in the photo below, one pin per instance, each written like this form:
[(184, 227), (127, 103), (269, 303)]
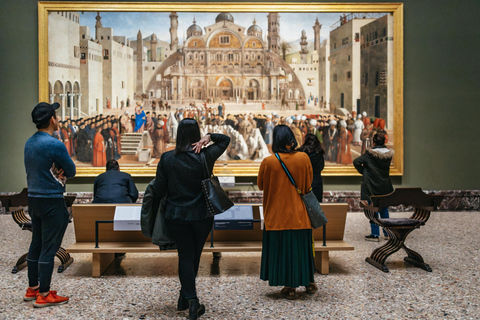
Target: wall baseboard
[(455, 200)]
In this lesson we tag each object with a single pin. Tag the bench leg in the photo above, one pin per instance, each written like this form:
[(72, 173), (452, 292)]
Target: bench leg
[(395, 243), (416, 259), (65, 259), (21, 263), (100, 263), (322, 262)]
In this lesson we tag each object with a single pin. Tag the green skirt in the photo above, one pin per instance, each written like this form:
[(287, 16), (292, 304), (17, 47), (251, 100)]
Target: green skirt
[(287, 258)]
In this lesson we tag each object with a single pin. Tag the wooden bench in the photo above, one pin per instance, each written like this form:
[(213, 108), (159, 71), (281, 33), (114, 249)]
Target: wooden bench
[(111, 242)]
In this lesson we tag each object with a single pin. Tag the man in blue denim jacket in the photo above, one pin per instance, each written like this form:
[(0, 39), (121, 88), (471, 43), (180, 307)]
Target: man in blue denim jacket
[(48, 165)]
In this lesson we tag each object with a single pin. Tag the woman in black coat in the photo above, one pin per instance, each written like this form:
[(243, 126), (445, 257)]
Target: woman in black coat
[(178, 178), (313, 148)]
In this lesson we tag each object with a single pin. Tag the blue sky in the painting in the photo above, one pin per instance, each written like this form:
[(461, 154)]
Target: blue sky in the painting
[(128, 23)]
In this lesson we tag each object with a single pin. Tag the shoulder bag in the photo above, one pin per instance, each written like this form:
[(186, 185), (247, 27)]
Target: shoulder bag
[(215, 197), (314, 210)]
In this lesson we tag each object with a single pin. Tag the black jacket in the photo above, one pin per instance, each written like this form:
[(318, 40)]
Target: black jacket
[(318, 163), (114, 187), (152, 219), (179, 178), (374, 165)]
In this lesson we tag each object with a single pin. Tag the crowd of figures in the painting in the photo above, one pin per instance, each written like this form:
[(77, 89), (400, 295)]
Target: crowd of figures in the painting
[(95, 140)]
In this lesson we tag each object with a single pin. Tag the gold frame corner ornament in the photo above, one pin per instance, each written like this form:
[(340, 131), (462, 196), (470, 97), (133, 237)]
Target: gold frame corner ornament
[(396, 9)]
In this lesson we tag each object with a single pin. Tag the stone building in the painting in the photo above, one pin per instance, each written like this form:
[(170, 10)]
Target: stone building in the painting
[(376, 67), (118, 66), (64, 62), (224, 61), (324, 74), (86, 72), (305, 64), (345, 63), (149, 54), (91, 73)]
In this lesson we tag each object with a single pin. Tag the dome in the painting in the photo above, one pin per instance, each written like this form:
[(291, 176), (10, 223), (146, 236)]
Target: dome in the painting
[(194, 30), (254, 30), (224, 16)]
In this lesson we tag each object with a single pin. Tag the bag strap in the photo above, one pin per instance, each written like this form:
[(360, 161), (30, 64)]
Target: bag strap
[(206, 172), (289, 175)]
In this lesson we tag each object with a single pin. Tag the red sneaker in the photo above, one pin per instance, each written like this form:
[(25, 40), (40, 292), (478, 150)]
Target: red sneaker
[(32, 294), (50, 300)]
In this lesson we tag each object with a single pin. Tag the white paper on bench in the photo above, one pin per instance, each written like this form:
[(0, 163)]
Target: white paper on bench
[(127, 218), (226, 182), (260, 209)]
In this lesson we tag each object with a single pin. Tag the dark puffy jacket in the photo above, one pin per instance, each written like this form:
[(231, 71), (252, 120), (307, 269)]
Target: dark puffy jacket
[(374, 165), (152, 219)]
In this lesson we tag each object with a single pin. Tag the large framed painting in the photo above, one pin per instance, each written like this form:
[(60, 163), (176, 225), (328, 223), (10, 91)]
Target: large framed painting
[(125, 74)]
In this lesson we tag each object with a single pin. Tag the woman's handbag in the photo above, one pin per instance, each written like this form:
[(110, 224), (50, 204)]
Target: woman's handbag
[(215, 197), (314, 210)]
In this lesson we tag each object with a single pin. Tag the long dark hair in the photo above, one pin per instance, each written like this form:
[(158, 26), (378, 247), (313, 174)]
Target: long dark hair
[(283, 137), (311, 144), (188, 132)]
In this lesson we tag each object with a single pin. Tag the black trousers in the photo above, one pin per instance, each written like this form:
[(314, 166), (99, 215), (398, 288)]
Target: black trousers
[(49, 222), (190, 237)]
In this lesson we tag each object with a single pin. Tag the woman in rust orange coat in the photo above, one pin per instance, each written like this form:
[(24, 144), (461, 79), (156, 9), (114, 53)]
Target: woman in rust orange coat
[(287, 253)]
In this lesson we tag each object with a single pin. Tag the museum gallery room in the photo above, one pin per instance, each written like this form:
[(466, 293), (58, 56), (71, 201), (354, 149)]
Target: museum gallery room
[(378, 99)]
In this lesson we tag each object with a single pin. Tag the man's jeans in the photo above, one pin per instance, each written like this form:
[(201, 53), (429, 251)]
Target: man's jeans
[(376, 229), (49, 222)]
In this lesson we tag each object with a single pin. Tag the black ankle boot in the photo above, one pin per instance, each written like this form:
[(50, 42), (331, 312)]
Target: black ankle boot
[(195, 309), (182, 302)]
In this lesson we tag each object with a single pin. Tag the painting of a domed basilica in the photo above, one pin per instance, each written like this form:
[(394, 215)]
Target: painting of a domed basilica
[(227, 61), (236, 73)]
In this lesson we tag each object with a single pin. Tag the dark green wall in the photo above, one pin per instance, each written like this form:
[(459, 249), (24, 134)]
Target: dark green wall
[(442, 100)]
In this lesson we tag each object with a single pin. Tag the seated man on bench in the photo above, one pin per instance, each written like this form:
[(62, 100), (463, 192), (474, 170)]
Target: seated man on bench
[(114, 186)]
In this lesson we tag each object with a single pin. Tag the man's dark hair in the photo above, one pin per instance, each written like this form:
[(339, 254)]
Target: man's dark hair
[(188, 132), (112, 165), (46, 123), (379, 139), (283, 137)]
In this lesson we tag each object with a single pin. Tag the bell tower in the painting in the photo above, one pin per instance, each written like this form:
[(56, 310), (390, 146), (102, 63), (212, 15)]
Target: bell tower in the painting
[(274, 32), (316, 28), (139, 84), (303, 45), (98, 24), (173, 31)]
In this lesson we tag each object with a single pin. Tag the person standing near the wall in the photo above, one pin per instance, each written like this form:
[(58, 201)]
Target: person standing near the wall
[(48, 165), (374, 165)]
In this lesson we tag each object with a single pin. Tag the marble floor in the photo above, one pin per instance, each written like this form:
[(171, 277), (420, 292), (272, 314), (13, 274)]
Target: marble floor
[(145, 286)]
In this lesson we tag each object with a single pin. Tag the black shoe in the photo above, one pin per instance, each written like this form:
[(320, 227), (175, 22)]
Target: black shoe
[(182, 302), (120, 255), (372, 238), (195, 309)]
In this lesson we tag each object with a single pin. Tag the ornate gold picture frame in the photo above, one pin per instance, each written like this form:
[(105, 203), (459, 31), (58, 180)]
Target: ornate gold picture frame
[(257, 61)]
